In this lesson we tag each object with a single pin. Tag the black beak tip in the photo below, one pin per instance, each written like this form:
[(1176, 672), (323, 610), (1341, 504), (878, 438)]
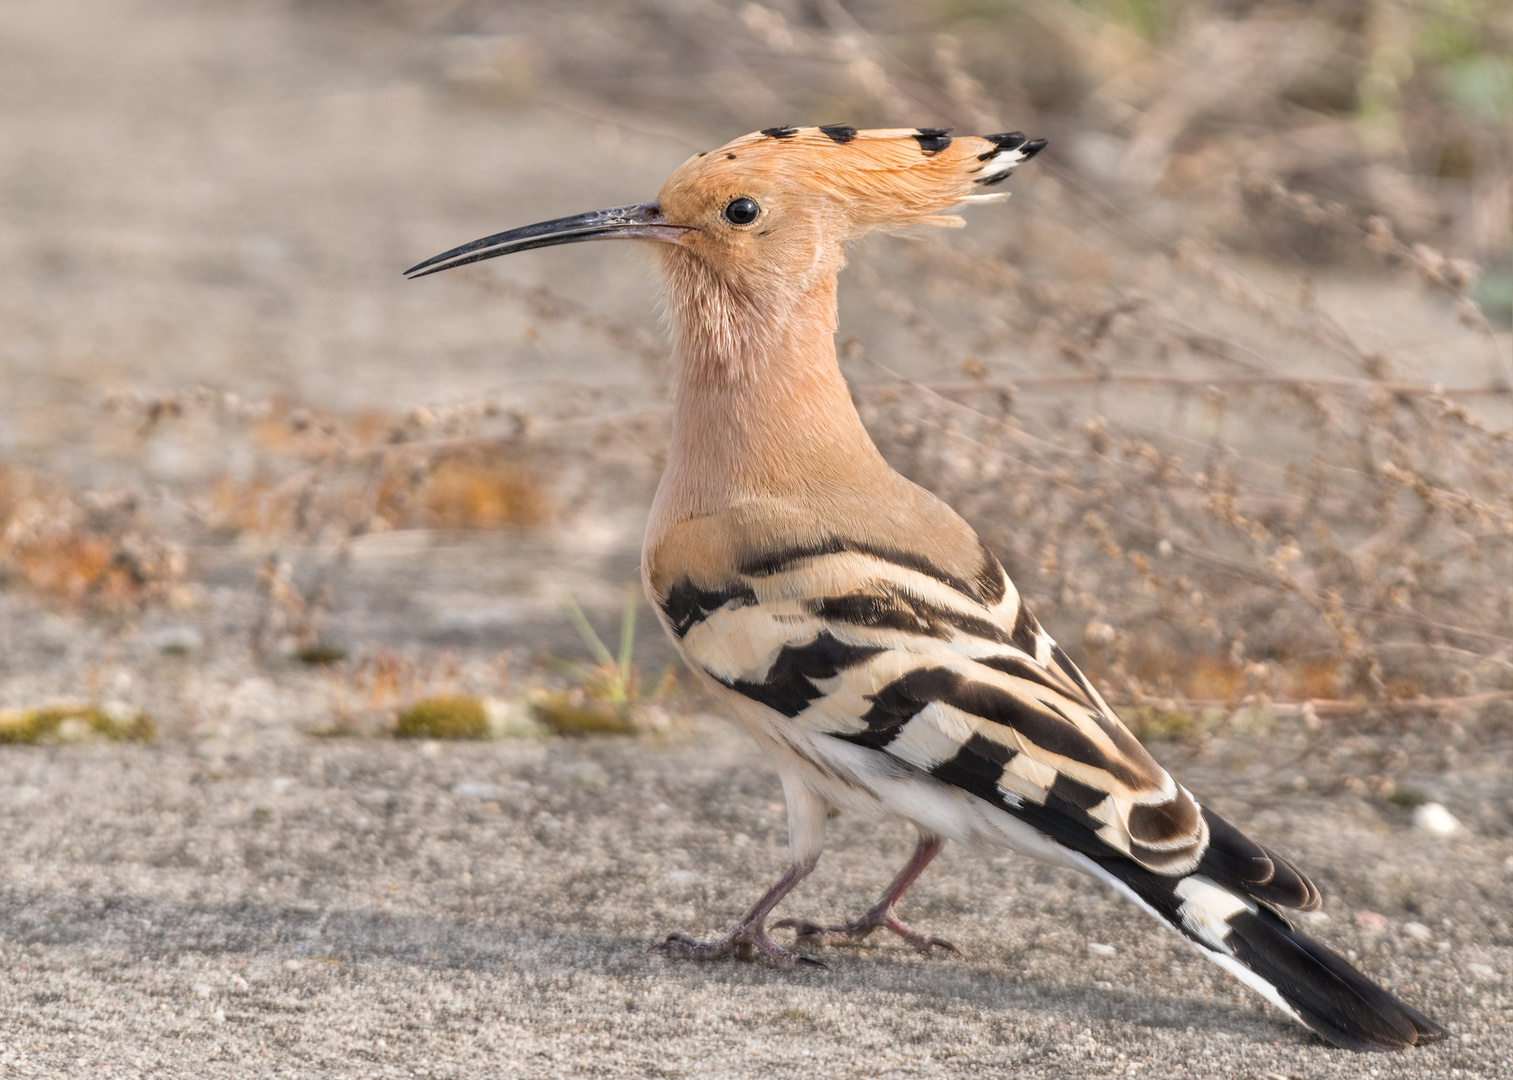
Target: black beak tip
[(642, 221), (429, 266)]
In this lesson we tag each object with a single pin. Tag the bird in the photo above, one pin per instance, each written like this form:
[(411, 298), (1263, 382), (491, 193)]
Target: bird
[(857, 628)]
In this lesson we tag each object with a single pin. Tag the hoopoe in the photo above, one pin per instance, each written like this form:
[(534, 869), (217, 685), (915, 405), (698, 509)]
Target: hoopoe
[(857, 627)]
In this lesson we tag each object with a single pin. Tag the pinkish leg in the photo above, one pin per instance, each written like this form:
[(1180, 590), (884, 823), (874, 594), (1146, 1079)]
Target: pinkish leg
[(748, 938), (881, 915)]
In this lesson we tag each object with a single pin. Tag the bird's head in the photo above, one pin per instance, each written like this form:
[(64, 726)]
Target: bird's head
[(776, 206), (754, 233)]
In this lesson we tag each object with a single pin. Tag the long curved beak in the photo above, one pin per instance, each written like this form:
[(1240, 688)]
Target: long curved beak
[(642, 221)]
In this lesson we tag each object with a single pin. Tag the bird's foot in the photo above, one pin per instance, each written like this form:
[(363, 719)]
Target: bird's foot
[(748, 943), (859, 930)]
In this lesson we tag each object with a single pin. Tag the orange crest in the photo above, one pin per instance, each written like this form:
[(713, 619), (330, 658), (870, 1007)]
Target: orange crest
[(883, 178)]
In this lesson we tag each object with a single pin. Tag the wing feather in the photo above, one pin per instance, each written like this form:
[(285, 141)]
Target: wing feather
[(957, 679), (952, 678)]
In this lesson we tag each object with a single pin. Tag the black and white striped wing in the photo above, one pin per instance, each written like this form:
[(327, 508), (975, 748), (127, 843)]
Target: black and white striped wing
[(958, 680)]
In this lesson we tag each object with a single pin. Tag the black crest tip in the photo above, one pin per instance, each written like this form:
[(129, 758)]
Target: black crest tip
[(841, 133), (784, 132), (932, 140), (1009, 140)]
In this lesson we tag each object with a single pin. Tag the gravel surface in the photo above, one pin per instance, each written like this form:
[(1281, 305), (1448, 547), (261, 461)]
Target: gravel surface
[(263, 902)]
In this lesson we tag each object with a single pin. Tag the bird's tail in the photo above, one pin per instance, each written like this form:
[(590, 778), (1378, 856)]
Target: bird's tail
[(1228, 908)]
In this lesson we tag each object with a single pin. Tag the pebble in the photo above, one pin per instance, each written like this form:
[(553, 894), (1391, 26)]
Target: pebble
[(588, 774), (1097, 948), (473, 789), (1434, 819), (1417, 931)]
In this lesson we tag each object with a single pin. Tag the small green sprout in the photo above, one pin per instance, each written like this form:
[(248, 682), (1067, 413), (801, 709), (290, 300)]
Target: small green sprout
[(606, 698)]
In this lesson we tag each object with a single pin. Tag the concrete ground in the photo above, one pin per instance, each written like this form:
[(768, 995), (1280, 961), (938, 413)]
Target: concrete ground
[(275, 904)]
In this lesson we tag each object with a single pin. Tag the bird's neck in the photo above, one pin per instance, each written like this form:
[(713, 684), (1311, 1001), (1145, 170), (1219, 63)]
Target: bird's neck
[(762, 410)]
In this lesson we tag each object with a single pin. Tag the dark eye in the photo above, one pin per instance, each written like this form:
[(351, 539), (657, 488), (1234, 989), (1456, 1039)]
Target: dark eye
[(741, 211)]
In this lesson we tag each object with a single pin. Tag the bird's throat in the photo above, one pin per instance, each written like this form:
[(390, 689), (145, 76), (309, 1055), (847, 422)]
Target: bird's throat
[(761, 407)]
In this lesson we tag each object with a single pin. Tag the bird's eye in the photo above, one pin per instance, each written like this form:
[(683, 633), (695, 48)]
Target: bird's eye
[(741, 211)]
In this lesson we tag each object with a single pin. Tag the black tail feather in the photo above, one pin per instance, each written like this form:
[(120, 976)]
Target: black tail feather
[(1320, 986), (1235, 860), (1332, 997)]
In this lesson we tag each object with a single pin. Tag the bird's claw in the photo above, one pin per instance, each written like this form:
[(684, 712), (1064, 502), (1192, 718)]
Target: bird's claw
[(745, 945), (857, 931)]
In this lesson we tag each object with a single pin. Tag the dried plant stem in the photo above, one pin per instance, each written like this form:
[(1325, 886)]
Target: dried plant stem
[(1326, 706), (1201, 382)]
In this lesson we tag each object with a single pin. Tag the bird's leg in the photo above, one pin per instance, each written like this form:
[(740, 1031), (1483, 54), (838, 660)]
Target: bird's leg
[(748, 938), (881, 915)]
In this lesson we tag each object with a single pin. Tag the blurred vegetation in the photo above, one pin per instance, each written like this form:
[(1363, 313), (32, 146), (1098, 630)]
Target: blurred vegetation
[(1218, 495), (611, 697), (1401, 108), (92, 549)]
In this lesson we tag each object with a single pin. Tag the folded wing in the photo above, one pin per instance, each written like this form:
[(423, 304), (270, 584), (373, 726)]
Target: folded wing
[(957, 679)]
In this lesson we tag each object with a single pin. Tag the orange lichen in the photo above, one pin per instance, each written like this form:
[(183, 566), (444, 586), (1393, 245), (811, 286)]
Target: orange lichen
[(482, 494), (80, 550)]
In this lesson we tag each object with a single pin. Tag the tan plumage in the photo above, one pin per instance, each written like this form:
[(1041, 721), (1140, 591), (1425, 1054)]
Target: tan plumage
[(857, 627)]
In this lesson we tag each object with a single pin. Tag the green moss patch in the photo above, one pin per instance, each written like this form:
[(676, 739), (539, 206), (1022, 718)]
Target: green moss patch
[(574, 712), (54, 724), (462, 716)]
